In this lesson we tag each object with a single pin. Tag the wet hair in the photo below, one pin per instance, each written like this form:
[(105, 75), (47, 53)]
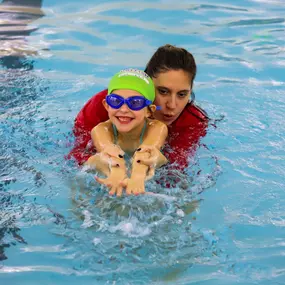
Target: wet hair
[(169, 57)]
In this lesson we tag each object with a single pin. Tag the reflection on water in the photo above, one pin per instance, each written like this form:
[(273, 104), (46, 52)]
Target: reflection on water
[(18, 90), (16, 25)]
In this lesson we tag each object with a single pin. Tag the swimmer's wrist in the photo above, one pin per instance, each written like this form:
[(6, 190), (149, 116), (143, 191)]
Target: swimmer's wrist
[(118, 165), (139, 171)]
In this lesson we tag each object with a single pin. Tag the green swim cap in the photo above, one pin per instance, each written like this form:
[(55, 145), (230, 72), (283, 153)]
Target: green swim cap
[(133, 79)]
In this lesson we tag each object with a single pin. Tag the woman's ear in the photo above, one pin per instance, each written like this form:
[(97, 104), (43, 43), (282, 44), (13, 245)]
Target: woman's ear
[(106, 106)]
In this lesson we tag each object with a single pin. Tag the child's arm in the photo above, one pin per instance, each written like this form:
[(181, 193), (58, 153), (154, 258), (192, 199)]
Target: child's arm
[(156, 134), (140, 170), (102, 136), (109, 159), (154, 140), (103, 139), (107, 151)]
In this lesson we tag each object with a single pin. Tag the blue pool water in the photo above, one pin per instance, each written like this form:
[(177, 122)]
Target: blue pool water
[(57, 226)]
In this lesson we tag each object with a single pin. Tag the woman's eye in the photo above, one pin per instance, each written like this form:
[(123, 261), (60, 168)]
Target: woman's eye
[(182, 95), (162, 91)]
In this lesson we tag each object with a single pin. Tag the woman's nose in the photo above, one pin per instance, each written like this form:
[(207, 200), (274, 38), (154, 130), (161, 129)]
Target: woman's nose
[(171, 102)]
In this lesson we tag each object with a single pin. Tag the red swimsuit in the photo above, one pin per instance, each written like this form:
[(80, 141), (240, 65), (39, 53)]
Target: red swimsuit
[(183, 134)]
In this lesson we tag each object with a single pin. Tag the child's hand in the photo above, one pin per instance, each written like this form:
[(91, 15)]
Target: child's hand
[(115, 178), (134, 185), (113, 183)]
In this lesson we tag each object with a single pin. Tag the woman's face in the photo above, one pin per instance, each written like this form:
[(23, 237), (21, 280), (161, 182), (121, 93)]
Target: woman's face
[(172, 93)]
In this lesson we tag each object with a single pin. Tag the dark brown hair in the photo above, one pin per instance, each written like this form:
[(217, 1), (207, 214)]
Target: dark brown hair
[(169, 57)]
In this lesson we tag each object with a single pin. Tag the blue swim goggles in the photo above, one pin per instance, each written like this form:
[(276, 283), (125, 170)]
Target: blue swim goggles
[(135, 103)]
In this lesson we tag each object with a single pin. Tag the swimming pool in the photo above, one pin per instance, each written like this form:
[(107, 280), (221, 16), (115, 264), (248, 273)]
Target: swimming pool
[(57, 226)]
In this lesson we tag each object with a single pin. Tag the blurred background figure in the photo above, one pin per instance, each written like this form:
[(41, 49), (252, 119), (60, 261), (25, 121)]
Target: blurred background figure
[(16, 24)]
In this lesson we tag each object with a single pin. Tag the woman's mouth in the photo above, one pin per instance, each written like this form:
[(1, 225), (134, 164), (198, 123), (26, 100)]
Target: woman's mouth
[(168, 117)]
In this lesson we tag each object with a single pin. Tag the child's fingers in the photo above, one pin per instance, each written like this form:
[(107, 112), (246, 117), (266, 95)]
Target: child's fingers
[(128, 191), (116, 190), (124, 183), (141, 191), (113, 191), (135, 191), (119, 191)]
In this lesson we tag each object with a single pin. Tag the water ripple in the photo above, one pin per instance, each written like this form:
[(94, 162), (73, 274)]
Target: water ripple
[(222, 223), (253, 22)]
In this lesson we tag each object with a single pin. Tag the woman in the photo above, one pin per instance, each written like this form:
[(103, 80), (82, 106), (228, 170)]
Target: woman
[(173, 71)]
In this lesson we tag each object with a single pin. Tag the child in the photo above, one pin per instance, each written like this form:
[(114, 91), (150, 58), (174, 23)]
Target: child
[(129, 106)]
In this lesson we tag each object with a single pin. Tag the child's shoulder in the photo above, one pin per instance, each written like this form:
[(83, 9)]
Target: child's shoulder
[(103, 125), (156, 124)]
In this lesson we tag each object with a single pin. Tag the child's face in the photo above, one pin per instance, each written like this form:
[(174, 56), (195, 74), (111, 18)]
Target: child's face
[(124, 118)]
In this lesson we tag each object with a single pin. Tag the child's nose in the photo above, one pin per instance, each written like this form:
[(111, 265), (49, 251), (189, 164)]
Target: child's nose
[(124, 108)]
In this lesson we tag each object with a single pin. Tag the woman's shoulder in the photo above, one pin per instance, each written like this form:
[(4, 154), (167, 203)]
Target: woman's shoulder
[(194, 110), (92, 113)]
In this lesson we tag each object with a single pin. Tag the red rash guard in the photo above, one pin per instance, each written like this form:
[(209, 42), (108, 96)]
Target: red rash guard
[(183, 134)]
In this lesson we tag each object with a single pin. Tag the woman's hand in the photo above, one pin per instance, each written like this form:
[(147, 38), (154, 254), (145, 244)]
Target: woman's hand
[(151, 157), (106, 159), (113, 150)]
